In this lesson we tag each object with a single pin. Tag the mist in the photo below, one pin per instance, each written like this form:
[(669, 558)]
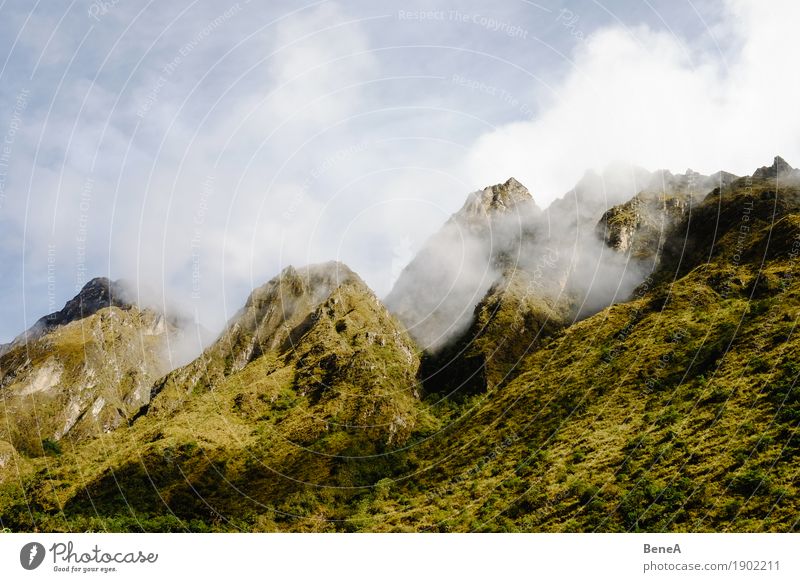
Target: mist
[(560, 249)]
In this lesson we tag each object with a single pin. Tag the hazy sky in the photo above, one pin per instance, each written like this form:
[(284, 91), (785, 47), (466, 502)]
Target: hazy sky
[(196, 148)]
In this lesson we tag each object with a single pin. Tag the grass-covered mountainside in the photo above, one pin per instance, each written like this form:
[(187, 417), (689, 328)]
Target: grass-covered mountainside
[(676, 409)]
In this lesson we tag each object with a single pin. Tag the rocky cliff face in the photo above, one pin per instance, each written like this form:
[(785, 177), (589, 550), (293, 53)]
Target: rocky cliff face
[(779, 170), (81, 371), (639, 227)]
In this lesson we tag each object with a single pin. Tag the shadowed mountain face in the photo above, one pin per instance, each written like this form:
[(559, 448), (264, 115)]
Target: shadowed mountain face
[(628, 367), (517, 315)]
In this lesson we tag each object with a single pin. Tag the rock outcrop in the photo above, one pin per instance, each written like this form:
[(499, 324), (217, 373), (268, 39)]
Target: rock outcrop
[(639, 227), (780, 168)]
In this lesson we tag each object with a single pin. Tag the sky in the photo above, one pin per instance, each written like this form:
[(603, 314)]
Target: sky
[(196, 148)]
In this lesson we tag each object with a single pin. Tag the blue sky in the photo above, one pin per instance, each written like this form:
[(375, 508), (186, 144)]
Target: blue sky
[(196, 148)]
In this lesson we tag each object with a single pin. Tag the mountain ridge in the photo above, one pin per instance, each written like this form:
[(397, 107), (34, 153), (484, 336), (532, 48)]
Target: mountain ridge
[(667, 406)]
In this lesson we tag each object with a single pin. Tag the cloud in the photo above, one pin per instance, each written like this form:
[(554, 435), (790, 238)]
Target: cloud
[(647, 97)]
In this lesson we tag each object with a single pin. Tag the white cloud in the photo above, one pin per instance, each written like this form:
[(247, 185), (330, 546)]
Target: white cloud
[(643, 96)]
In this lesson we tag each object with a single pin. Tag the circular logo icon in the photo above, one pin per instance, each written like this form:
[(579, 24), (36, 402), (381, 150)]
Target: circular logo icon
[(31, 555)]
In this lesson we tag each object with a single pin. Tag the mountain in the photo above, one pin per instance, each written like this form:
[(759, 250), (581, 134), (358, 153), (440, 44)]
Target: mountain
[(81, 371), (538, 271), (667, 405), (322, 322), (489, 269), (436, 293), (673, 411)]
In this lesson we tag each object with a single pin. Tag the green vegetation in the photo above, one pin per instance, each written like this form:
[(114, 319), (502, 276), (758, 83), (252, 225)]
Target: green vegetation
[(675, 411)]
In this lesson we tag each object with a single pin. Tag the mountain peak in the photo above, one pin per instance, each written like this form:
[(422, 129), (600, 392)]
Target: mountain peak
[(500, 198), (778, 168), (95, 295), (512, 184), (507, 195), (322, 323), (315, 281), (275, 309)]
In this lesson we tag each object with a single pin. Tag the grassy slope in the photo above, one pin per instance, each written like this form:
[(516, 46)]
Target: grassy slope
[(675, 411)]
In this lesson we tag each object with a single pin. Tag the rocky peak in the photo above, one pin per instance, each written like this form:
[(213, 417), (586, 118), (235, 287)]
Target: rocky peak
[(508, 195), (315, 282), (778, 169), (500, 198), (344, 349), (435, 294), (272, 316), (97, 294)]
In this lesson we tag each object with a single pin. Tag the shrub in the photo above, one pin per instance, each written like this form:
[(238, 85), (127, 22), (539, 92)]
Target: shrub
[(51, 447), (750, 482)]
